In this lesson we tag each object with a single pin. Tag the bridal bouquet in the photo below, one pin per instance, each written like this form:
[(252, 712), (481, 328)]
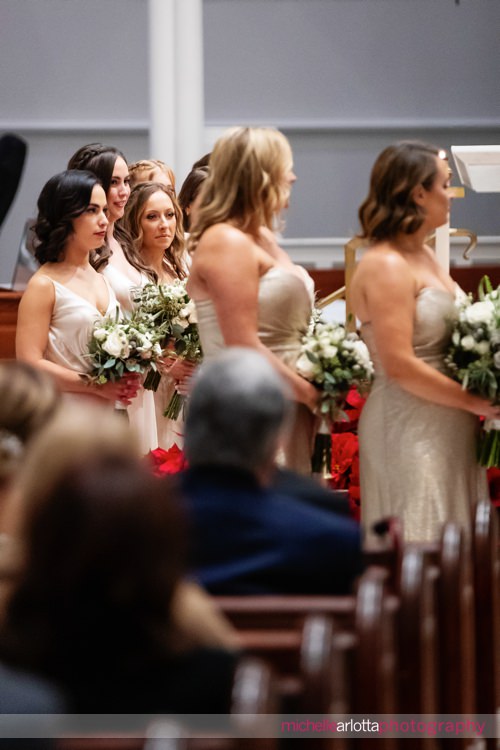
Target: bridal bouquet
[(473, 359), (171, 309), (118, 346), (334, 361)]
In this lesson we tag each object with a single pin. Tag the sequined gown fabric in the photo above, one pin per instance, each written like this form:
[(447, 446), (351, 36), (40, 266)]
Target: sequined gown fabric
[(417, 458), (284, 311)]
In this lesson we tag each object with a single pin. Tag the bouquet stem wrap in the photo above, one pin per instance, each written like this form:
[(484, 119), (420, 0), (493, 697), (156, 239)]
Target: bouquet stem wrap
[(152, 380), (321, 460), (488, 446), (175, 405)]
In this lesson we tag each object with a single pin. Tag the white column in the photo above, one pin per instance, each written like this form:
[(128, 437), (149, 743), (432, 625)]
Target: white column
[(162, 80), (189, 105), (176, 83)]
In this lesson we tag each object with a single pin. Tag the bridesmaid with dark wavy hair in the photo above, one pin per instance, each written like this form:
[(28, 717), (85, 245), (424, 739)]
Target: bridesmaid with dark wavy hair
[(66, 295)]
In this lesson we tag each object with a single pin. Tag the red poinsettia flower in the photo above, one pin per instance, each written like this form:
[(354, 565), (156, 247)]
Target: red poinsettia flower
[(167, 462), (353, 405), (344, 449)]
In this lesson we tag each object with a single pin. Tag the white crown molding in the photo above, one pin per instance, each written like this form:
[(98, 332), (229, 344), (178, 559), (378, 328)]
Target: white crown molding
[(214, 129)]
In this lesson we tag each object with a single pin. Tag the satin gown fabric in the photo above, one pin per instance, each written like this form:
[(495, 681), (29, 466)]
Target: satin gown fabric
[(70, 330), (284, 312), (142, 411), (417, 458)]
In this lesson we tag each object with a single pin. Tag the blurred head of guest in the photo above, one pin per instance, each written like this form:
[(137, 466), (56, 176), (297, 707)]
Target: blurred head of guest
[(190, 194), (151, 170), (100, 551), (239, 413), (29, 400), (249, 181), (154, 222)]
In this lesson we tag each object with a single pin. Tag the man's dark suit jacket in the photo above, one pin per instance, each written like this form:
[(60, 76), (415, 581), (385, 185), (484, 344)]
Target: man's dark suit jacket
[(247, 539)]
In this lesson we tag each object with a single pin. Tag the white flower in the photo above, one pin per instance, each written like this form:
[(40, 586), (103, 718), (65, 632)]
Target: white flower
[(116, 345), (100, 334), (468, 343), (329, 351), (306, 368), (178, 321), (482, 347), (189, 311), (480, 312), (363, 355), (496, 360)]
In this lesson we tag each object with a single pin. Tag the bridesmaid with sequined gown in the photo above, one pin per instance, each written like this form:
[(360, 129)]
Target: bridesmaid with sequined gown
[(66, 296), (246, 289), (418, 427)]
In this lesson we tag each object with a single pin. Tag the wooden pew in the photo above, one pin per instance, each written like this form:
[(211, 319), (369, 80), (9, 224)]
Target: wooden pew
[(254, 693), (486, 576)]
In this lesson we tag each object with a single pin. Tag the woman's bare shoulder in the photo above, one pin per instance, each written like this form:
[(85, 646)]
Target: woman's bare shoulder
[(381, 261), (224, 233), (40, 281)]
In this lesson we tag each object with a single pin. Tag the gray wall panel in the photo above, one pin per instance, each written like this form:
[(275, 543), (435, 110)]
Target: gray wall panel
[(341, 77)]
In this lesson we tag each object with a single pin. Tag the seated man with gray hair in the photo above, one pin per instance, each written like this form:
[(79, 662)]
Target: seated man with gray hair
[(247, 537)]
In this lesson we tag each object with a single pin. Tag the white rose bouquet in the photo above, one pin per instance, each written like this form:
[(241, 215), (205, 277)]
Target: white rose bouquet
[(118, 346), (473, 359), (334, 361), (169, 307)]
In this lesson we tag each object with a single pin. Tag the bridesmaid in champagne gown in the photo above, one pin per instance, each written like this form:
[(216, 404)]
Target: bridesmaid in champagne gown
[(154, 221), (66, 296), (118, 262), (418, 427), (246, 289)]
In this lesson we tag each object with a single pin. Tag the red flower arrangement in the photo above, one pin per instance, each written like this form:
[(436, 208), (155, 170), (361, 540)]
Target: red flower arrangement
[(169, 461), (345, 452)]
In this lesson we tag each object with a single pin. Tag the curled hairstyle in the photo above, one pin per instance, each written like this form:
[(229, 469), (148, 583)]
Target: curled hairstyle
[(189, 190), (109, 538), (246, 181), (144, 171), (64, 197), (29, 400), (389, 207), (238, 410), (98, 159), (101, 160), (134, 212)]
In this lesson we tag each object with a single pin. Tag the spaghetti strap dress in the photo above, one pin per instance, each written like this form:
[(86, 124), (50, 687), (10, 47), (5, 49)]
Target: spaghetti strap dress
[(70, 330)]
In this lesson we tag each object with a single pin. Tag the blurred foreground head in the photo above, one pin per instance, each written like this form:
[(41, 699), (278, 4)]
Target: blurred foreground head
[(100, 549), (29, 399), (238, 413)]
